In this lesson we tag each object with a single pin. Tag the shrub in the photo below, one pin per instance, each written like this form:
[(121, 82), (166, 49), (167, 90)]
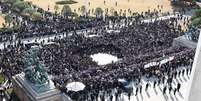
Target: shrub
[(20, 6), (28, 11)]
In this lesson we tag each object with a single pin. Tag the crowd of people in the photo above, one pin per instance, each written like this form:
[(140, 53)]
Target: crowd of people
[(68, 59), (136, 45)]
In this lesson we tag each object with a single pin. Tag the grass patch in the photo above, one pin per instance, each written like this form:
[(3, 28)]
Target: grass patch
[(2, 30), (10, 91), (1, 78), (63, 2)]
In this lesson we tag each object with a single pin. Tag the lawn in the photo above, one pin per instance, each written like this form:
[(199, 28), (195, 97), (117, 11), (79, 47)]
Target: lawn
[(1, 78)]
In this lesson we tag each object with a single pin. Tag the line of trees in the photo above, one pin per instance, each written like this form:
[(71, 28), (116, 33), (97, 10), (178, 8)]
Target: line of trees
[(24, 8)]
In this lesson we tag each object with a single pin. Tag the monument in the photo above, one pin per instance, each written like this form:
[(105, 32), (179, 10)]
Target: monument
[(33, 84)]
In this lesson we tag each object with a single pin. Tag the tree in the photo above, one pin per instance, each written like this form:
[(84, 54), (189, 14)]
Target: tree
[(120, 12), (112, 11), (20, 6), (8, 19), (98, 12), (36, 16), (66, 11), (196, 19), (56, 8), (106, 11), (12, 1), (28, 11), (116, 13), (83, 10)]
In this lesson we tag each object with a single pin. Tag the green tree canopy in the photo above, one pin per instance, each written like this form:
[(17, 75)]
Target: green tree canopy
[(13, 1), (83, 9), (8, 19), (196, 18), (197, 21), (98, 12), (36, 16), (20, 6), (56, 8), (66, 10), (28, 11)]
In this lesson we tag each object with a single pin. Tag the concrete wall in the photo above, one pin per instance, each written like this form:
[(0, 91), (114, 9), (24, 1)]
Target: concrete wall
[(194, 88)]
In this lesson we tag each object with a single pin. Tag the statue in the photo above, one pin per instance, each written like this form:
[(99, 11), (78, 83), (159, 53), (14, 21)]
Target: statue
[(33, 68)]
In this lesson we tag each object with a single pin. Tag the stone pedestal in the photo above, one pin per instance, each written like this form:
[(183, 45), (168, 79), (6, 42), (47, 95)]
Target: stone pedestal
[(182, 41), (26, 92)]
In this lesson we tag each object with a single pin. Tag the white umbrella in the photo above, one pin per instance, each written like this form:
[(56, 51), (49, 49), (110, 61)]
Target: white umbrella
[(122, 80), (75, 86)]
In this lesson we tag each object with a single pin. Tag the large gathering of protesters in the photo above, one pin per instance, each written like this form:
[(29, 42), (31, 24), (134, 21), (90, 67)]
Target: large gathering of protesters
[(136, 44)]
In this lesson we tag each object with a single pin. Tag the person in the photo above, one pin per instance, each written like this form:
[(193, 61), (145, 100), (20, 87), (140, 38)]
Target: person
[(154, 84), (164, 89), (187, 71), (111, 98), (159, 81), (140, 89), (183, 71), (116, 96), (170, 88), (163, 79), (179, 73), (175, 74), (136, 91), (175, 90), (140, 41), (129, 96), (147, 86), (178, 87)]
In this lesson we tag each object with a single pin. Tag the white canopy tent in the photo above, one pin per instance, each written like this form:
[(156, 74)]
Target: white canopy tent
[(75, 86)]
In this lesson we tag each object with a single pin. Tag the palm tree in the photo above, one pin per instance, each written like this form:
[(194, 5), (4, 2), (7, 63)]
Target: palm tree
[(56, 8)]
